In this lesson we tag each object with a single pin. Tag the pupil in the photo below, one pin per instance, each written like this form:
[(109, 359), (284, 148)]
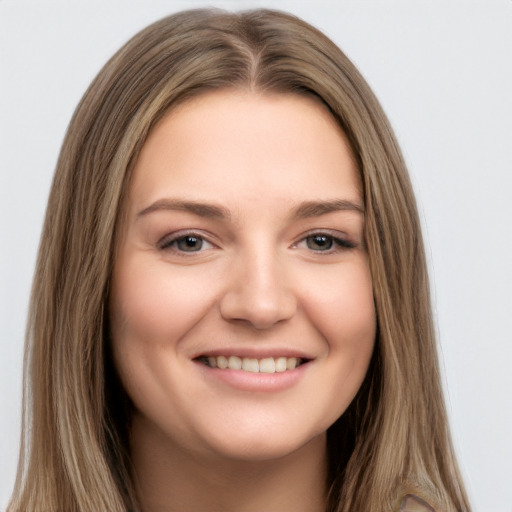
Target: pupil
[(189, 243), (320, 242)]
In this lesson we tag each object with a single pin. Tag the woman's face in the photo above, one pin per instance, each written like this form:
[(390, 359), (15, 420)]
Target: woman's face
[(243, 245)]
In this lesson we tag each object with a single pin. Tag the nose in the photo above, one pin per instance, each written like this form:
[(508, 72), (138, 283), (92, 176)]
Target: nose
[(259, 292)]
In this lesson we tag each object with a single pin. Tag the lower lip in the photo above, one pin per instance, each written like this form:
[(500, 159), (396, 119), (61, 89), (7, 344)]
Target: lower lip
[(255, 382)]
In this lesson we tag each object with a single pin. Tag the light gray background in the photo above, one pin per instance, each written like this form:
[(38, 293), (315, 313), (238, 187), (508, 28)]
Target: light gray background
[(443, 72)]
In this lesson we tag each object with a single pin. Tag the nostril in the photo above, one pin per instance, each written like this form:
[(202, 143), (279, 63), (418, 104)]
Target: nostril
[(259, 312)]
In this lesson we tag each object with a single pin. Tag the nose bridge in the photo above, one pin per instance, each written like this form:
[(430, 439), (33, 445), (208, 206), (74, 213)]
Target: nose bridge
[(259, 291)]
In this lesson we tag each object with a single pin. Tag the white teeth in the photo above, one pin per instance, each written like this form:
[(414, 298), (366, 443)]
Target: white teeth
[(234, 363), (291, 363), (222, 362), (268, 365), (249, 364), (281, 364)]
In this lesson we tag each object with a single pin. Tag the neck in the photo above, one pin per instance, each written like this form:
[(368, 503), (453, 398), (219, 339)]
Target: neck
[(170, 479)]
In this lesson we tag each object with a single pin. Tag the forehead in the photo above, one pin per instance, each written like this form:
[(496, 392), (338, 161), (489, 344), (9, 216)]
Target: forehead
[(229, 145)]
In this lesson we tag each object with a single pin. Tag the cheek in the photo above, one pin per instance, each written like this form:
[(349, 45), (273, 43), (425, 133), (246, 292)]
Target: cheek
[(343, 309), (152, 308), (343, 312), (152, 302), (350, 334)]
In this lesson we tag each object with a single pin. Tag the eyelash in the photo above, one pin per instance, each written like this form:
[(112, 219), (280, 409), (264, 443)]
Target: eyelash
[(337, 244), (170, 243)]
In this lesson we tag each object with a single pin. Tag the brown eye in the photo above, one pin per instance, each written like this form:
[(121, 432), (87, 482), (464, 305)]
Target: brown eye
[(185, 244), (319, 242), (324, 242), (189, 243)]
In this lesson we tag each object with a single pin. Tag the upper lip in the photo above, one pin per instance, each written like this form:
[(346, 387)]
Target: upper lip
[(254, 352)]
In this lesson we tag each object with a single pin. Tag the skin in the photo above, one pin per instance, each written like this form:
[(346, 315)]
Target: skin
[(256, 280)]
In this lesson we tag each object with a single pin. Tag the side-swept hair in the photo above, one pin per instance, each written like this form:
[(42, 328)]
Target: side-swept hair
[(394, 437)]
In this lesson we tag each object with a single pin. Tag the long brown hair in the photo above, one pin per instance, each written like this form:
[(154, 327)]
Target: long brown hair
[(394, 437)]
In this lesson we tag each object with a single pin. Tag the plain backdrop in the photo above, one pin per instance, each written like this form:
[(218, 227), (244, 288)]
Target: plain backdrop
[(443, 72)]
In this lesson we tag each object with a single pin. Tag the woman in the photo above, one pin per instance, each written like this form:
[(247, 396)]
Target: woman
[(231, 305)]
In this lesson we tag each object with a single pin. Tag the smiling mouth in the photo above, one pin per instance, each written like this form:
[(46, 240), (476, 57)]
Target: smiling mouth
[(249, 364)]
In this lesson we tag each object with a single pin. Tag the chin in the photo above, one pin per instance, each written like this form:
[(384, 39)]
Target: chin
[(262, 446)]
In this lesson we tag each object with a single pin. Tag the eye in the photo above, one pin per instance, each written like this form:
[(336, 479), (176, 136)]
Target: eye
[(325, 243), (189, 243), (186, 243), (319, 242)]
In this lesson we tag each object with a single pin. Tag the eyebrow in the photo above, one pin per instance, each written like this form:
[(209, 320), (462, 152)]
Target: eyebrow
[(197, 208), (309, 209), (304, 210)]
